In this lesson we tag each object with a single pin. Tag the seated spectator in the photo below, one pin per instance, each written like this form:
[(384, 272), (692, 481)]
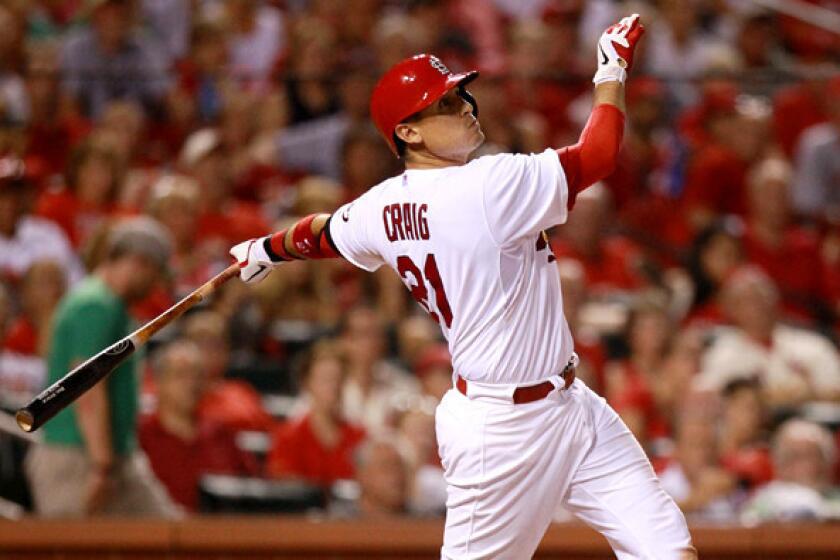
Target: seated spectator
[(374, 384), (815, 192), (433, 369), (803, 458), (202, 81), (787, 253), (174, 203), (25, 239), (180, 445), (588, 344), (23, 370), (222, 219), (257, 39), (317, 445), (231, 402), (612, 263), (694, 478), (418, 443), (52, 126), (415, 334), (715, 181), (744, 449), (383, 480), (715, 253), (632, 384), (93, 180), (796, 108), (109, 60), (793, 365), (310, 68)]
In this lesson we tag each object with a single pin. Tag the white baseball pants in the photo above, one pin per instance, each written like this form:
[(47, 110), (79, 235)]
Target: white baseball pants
[(509, 466)]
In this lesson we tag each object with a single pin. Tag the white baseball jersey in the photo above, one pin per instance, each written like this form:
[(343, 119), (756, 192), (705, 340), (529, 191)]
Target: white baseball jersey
[(468, 243)]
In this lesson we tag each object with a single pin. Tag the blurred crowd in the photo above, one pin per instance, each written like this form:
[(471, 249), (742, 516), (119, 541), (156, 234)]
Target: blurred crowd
[(701, 281)]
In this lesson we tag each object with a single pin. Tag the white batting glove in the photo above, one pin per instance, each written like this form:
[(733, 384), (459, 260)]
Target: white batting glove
[(616, 48), (254, 262)]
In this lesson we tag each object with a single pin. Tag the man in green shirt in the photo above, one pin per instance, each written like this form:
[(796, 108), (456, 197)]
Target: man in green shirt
[(89, 463)]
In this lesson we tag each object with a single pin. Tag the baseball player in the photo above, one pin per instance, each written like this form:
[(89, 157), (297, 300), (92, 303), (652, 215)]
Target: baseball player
[(518, 436)]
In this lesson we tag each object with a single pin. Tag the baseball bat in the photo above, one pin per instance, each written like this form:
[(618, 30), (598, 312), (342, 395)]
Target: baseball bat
[(63, 392)]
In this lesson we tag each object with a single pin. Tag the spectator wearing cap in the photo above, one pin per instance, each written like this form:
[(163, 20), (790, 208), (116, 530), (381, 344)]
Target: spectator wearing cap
[(24, 238), (433, 368), (803, 457), (318, 445), (222, 220), (815, 187), (89, 462), (108, 60), (182, 446), (793, 365)]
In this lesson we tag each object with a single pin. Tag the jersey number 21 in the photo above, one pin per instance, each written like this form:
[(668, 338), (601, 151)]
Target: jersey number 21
[(418, 290)]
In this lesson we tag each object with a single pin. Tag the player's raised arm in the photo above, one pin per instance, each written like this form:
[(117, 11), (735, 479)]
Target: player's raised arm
[(308, 238), (595, 155)]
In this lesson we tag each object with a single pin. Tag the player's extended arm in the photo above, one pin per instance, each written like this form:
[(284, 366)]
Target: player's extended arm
[(595, 155), (308, 238)]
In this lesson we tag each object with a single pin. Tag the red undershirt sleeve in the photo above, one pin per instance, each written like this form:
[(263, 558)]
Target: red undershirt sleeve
[(595, 155)]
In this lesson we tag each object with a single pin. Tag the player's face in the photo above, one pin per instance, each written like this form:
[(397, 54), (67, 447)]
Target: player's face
[(448, 130)]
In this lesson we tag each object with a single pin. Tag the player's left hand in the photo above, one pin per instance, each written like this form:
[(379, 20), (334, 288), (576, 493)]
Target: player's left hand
[(254, 262), (616, 48)]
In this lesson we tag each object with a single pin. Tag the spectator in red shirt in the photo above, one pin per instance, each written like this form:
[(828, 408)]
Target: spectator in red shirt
[(632, 384), (612, 263), (222, 219), (744, 449), (716, 252), (232, 402), (318, 445), (790, 255), (716, 177), (93, 181), (180, 445)]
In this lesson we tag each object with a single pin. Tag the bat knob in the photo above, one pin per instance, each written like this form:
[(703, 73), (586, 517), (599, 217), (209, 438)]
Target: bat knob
[(25, 420)]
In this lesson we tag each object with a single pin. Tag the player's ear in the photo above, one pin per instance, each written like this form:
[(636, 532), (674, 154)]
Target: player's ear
[(408, 133)]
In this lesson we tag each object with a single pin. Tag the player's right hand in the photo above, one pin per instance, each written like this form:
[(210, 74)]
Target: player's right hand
[(616, 48), (254, 262)]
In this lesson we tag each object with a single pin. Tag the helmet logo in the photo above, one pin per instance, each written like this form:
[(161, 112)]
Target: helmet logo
[(439, 66)]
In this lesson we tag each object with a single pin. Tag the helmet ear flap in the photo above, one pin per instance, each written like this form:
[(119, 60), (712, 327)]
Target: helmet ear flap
[(467, 96)]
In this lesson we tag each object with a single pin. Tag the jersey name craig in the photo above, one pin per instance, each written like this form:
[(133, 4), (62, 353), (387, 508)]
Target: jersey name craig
[(405, 221)]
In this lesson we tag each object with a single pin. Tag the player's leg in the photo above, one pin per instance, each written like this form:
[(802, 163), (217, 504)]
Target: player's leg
[(139, 492), (616, 492), (507, 466), (57, 478)]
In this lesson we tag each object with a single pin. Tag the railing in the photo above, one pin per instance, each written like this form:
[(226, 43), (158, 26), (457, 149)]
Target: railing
[(211, 538)]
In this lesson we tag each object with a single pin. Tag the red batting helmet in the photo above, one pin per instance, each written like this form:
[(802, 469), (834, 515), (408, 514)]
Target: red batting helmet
[(409, 87)]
